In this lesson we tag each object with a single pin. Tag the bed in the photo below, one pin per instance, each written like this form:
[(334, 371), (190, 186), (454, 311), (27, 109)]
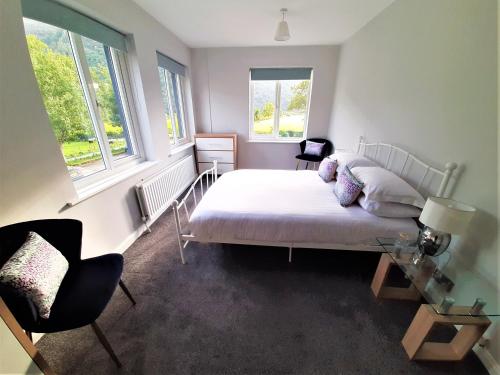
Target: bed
[(297, 209)]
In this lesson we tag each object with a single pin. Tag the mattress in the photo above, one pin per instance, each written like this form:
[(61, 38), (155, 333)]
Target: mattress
[(291, 207)]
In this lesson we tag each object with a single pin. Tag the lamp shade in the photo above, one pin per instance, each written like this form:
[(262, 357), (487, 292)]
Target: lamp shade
[(282, 32), (446, 215)]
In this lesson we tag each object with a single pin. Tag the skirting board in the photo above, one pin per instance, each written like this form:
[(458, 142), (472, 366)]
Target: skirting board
[(487, 360), (131, 238)]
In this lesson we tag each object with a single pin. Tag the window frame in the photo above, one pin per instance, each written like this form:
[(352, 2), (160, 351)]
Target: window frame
[(120, 70), (275, 137), (180, 83)]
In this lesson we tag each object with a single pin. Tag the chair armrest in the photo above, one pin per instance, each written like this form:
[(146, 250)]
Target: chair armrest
[(21, 307), (302, 146), (112, 260)]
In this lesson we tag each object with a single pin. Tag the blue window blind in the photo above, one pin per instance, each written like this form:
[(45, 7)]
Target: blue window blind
[(56, 14), (170, 64), (275, 74)]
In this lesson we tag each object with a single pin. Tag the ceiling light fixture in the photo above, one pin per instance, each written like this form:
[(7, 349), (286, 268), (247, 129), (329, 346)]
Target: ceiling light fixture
[(282, 32)]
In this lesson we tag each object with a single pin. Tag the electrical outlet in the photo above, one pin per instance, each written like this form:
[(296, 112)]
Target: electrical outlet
[(483, 342), (442, 279)]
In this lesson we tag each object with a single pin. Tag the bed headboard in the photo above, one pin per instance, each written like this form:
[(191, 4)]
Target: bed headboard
[(429, 181)]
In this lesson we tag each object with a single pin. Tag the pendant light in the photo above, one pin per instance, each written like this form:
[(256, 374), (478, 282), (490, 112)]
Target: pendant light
[(282, 32)]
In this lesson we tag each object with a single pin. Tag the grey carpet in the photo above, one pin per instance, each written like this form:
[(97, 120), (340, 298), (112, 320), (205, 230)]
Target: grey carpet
[(245, 310)]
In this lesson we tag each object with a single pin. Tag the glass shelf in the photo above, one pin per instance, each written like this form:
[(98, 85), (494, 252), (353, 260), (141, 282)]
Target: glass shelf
[(451, 289)]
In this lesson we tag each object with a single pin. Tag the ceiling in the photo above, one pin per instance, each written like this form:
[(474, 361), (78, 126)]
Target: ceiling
[(233, 23)]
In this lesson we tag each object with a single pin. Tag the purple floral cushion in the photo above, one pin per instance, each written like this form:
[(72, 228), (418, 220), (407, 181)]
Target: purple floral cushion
[(327, 169), (313, 148), (36, 271), (347, 187)]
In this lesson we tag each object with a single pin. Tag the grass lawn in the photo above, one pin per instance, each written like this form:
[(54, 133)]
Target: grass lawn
[(88, 151), (293, 125), (73, 149)]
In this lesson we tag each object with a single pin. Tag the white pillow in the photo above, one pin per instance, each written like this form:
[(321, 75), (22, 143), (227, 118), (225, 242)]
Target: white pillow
[(351, 160), (389, 209), (382, 185), (313, 148)]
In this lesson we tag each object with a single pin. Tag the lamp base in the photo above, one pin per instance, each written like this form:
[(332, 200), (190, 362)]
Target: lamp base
[(418, 258), (433, 242)]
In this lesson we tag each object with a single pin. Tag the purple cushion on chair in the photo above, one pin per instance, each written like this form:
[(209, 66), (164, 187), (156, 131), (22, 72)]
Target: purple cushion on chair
[(348, 187), (327, 169), (36, 271), (313, 148)]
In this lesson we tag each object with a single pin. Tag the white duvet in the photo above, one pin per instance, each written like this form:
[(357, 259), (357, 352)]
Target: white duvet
[(286, 206)]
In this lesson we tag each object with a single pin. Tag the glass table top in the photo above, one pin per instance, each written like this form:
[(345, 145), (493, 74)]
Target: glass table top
[(450, 287)]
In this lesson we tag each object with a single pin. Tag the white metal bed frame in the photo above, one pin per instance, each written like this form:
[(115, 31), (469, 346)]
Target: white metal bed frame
[(410, 168)]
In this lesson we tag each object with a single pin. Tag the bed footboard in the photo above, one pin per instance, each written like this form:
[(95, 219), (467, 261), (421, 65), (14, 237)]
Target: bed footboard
[(204, 181)]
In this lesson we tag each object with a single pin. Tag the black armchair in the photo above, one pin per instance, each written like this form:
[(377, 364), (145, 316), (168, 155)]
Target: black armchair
[(85, 290), (327, 150)]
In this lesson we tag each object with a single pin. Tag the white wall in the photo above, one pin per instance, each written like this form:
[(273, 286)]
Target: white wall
[(34, 182), (423, 75), (221, 101)]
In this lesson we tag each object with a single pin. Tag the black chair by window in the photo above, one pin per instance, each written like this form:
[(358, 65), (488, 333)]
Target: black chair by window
[(85, 290), (327, 150)]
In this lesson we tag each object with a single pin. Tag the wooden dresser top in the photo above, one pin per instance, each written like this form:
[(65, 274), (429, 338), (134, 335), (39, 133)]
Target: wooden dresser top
[(215, 135)]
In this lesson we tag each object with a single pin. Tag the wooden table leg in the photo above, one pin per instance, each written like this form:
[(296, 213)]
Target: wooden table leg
[(417, 348), (381, 291)]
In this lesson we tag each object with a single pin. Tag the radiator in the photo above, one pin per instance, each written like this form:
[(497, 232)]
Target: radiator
[(157, 193)]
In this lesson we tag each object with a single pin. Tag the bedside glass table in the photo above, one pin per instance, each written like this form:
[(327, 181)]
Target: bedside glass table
[(454, 296)]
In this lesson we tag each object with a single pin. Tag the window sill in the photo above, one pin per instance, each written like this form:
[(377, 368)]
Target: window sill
[(294, 141), (181, 148), (98, 187)]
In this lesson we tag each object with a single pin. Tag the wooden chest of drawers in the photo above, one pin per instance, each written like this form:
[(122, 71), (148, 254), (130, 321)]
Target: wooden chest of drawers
[(220, 147)]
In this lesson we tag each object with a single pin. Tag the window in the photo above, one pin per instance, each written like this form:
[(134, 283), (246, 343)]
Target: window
[(279, 103), (85, 89), (171, 79)]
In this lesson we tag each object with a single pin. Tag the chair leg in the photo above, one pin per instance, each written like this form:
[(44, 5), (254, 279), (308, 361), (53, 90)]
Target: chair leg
[(30, 336), (298, 163), (307, 164), (105, 343), (126, 291)]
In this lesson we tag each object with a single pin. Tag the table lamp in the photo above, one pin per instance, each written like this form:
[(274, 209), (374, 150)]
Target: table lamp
[(441, 217)]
